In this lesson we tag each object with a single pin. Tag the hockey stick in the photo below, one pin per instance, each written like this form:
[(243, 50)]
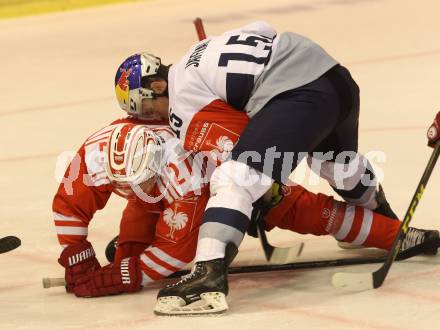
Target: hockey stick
[(366, 281), (9, 243), (49, 282), (199, 28), (276, 255)]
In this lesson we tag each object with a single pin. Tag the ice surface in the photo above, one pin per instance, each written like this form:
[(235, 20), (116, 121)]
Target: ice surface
[(56, 88)]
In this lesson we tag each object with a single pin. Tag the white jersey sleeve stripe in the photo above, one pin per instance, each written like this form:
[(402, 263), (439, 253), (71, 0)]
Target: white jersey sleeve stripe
[(154, 266), (346, 223), (167, 258), (365, 228), (62, 230), (58, 216)]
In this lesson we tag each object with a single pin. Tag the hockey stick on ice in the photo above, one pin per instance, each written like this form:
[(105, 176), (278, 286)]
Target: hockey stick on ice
[(366, 281), (276, 255), (50, 282), (9, 243)]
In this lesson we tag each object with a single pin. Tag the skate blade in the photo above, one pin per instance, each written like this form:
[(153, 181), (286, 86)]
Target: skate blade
[(210, 303)]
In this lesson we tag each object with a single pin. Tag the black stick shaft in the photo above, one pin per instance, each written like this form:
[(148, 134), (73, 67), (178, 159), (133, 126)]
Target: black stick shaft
[(380, 274), (416, 250), (267, 247)]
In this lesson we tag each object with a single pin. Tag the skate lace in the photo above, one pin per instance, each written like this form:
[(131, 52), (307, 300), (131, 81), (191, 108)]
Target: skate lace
[(185, 278), (413, 237)]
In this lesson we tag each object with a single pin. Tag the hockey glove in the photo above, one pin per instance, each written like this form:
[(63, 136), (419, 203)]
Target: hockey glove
[(262, 206), (78, 259), (115, 278)]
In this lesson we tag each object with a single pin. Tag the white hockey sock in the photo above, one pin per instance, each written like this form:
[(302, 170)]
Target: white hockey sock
[(209, 248)]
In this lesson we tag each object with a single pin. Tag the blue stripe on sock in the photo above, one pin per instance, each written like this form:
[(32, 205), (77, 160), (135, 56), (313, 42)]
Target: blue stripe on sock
[(229, 217)]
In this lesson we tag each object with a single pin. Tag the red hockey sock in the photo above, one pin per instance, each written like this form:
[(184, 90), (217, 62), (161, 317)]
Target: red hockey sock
[(304, 212), (360, 226)]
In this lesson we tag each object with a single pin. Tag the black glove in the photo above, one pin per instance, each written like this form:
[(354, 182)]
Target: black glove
[(262, 207)]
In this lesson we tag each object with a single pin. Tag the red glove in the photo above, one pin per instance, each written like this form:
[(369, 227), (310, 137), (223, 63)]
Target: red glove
[(115, 278), (434, 131), (78, 259)]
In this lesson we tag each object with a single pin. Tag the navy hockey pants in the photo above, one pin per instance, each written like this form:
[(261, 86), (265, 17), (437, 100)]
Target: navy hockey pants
[(321, 116)]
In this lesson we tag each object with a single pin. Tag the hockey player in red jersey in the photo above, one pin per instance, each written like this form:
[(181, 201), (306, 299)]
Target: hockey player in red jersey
[(166, 192)]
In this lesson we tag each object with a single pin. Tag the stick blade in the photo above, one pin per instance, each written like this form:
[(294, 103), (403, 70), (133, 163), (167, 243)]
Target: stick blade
[(282, 256), (50, 282), (9, 243), (353, 281), (46, 283)]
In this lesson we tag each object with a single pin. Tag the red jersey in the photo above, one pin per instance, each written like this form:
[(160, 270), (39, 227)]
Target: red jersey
[(174, 219)]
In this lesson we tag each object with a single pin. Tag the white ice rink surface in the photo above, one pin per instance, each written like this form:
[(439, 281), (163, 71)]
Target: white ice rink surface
[(56, 88)]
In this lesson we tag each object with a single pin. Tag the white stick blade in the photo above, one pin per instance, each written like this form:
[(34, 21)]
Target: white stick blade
[(353, 281), (282, 256), (46, 283), (49, 282)]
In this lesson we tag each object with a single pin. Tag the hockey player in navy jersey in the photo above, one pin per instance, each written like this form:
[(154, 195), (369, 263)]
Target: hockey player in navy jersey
[(272, 99)]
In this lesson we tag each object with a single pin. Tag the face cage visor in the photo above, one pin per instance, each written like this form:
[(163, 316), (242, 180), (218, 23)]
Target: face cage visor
[(141, 104), (133, 185)]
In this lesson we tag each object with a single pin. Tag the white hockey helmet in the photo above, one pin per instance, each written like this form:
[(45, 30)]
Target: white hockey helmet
[(134, 155), (131, 85)]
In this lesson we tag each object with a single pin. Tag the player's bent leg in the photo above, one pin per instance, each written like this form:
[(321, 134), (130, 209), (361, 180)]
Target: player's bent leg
[(356, 182), (234, 187), (223, 226), (300, 211), (319, 214), (348, 172), (383, 208)]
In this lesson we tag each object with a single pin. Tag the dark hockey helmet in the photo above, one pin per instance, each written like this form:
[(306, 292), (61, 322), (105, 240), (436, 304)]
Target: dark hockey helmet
[(132, 83)]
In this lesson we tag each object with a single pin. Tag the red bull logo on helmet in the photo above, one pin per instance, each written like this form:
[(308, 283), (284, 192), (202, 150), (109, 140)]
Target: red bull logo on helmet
[(122, 87), (123, 79)]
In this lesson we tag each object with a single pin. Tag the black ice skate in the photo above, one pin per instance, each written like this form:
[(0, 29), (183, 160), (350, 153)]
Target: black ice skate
[(206, 286), (426, 240), (201, 292)]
